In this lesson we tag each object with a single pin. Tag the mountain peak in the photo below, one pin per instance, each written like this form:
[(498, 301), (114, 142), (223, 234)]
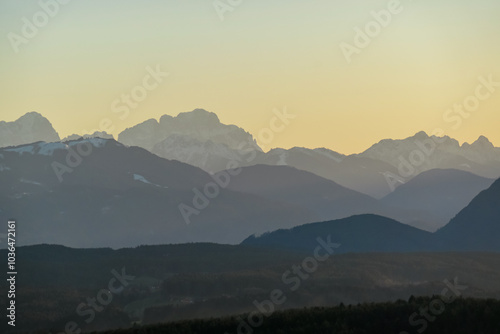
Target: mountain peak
[(200, 124), (421, 135), (484, 142), (33, 114), (201, 115), (29, 128)]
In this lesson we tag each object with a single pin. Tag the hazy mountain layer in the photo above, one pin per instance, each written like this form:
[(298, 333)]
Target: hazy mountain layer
[(439, 193), (198, 124), (362, 174), (98, 192), (421, 152), (29, 128), (475, 228)]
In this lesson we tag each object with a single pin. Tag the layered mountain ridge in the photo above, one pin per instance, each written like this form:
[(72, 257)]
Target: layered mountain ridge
[(200, 139), (165, 194), (475, 228)]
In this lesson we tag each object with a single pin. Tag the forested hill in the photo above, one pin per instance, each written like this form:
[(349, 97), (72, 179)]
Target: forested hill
[(460, 316)]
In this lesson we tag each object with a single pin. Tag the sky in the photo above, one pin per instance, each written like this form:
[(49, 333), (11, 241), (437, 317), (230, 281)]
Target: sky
[(349, 76)]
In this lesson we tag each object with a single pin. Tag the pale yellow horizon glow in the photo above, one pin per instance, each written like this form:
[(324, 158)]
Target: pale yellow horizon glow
[(261, 57)]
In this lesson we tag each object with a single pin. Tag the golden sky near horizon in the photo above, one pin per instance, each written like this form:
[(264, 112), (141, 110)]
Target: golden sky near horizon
[(418, 64)]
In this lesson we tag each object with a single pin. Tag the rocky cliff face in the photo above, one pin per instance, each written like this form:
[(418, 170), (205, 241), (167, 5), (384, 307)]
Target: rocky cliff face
[(31, 127), (200, 125)]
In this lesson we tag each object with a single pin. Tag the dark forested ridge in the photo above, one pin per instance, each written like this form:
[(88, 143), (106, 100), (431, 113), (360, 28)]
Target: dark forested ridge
[(201, 281), (460, 316)]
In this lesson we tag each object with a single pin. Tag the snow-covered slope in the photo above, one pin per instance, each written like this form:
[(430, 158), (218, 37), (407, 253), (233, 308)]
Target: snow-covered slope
[(43, 148)]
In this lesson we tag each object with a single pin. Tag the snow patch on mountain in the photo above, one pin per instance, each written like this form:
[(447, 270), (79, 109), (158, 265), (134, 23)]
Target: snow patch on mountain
[(140, 178), (48, 149), (22, 149), (30, 182)]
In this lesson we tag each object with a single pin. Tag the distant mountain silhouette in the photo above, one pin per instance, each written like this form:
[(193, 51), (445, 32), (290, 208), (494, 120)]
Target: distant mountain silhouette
[(421, 152), (329, 200), (197, 137), (439, 193), (302, 189), (29, 128), (476, 227), (120, 196), (362, 174)]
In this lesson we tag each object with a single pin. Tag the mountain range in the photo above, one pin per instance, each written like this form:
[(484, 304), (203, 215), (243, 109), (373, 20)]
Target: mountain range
[(199, 138), (422, 152), (133, 195)]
